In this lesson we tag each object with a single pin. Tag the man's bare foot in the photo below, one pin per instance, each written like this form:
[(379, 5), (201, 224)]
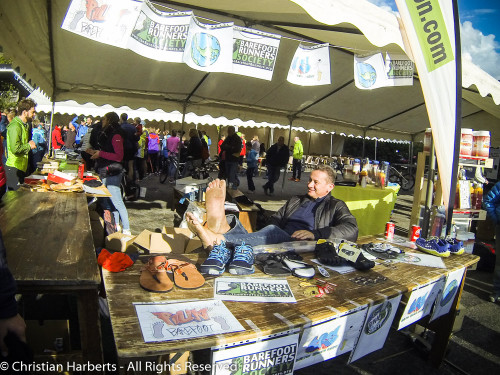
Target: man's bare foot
[(207, 237), (216, 214)]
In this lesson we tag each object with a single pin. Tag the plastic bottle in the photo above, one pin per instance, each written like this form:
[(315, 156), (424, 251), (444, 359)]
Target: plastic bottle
[(472, 195), (381, 177)]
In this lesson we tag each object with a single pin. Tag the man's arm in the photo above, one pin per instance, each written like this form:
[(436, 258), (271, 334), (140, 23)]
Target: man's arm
[(337, 222), (14, 139)]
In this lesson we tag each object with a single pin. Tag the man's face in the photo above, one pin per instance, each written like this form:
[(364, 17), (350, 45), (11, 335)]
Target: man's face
[(281, 141), (30, 114), (318, 185)]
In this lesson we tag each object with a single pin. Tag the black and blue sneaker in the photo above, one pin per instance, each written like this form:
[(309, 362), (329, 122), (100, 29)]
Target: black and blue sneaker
[(217, 260), (243, 259)]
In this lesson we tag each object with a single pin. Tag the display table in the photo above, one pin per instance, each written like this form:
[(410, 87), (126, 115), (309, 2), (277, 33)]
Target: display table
[(50, 250), (264, 319), (371, 206)]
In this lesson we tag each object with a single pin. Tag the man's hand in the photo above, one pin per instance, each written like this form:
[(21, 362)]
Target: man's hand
[(303, 235), (15, 325), (32, 144)]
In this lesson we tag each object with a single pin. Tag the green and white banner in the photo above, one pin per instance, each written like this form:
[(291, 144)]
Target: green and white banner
[(274, 356), (310, 66), (105, 21), (160, 35), (209, 47), (430, 31), (254, 52)]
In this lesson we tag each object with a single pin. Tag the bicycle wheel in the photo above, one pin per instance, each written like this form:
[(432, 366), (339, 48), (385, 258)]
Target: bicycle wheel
[(395, 179), (408, 181), (163, 174)]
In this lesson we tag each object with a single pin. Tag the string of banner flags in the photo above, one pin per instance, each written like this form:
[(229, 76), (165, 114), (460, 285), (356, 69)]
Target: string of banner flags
[(179, 37)]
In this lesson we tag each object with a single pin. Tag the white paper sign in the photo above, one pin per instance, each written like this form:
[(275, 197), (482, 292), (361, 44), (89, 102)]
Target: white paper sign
[(310, 66), (209, 47), (253, 290), (420, 303), (369, 72), (399, 70), (188, 320), (254, 52), (421, 259), (376, 328), (274, 356), (445, 299), (330, 339), (160, 35), (105, 21)]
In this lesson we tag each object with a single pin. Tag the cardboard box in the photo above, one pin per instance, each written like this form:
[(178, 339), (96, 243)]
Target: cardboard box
[(60, 177), (170, 240), (121, 242)]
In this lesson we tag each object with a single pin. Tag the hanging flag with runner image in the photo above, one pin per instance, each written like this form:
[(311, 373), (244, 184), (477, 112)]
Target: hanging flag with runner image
[(310, 66)]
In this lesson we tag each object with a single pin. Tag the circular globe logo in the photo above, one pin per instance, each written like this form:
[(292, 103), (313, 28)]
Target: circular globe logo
[(378, 318), (367, 75), (449, 292), (205, 49)]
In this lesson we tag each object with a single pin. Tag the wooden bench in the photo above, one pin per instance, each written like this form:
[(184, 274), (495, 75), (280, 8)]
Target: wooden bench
[(248, 212)]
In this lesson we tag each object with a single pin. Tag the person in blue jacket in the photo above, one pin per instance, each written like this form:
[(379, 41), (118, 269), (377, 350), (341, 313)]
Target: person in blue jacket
[(491, 203)]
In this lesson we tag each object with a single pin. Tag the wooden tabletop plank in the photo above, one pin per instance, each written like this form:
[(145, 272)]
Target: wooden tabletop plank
[(123, 290), (48, 239)]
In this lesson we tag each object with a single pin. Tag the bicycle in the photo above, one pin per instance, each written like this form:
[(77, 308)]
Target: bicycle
[(171, 169), (405, 180)]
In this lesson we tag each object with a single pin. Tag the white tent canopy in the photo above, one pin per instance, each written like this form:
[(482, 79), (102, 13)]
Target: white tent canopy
[(69, 67)]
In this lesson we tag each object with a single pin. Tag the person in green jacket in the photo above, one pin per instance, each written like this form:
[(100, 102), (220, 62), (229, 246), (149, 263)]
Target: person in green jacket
[(19, 144), (298, 151)]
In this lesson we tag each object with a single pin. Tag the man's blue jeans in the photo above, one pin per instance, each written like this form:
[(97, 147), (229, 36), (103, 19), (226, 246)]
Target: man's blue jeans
[(231, 173), (268, 235)]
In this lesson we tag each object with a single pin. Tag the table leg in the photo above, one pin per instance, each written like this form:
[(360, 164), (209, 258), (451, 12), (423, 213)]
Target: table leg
[(443, 327), (90, 331)]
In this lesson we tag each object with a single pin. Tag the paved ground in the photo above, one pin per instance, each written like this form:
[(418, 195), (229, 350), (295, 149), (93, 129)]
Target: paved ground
[(475, 349)]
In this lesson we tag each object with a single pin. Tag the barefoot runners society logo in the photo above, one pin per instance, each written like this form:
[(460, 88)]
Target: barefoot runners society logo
[(378, 318), (265, 290)]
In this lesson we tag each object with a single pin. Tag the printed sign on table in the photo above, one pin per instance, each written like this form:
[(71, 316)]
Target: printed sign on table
[(188, 320), (160, 35), (310, 66), (253, 290), (420, 303), (105, 21), (329, 339), (209, 47), (254, 52), (274, 356), (376, 328), (445, 299)]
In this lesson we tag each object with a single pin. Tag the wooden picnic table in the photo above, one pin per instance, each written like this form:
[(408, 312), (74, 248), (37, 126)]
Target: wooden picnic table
[(50, 250), (264, 319)]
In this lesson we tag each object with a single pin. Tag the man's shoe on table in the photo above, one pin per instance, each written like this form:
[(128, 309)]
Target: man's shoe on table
[(217, 260), (326, 253), (243, 259), (456, 246), (434, 246)]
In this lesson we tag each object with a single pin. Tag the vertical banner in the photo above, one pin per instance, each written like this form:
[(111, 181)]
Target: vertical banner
[(105, 21), (399, 70), (254, 52), (274, 356), (209, 47), (420, 303), (369, 72), (445, 299), (329, 339), (310, 66), (160, 35), (430, 30), (376, 328)]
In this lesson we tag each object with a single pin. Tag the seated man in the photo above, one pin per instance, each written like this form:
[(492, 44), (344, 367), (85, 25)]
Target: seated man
[(308, 217)]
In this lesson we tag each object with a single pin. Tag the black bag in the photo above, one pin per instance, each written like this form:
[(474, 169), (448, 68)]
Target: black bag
[(488, 257), (112, 169)]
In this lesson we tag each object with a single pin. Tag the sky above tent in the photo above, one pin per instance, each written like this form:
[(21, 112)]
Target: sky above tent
[(480, 31)]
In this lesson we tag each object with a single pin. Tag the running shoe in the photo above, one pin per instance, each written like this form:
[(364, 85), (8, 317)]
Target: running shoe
[(243, 259), (217, 260), (434, 245), (456, 246), (326, 253)]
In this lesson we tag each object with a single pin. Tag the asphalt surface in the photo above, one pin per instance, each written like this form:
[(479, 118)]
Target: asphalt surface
[(474, 349)]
